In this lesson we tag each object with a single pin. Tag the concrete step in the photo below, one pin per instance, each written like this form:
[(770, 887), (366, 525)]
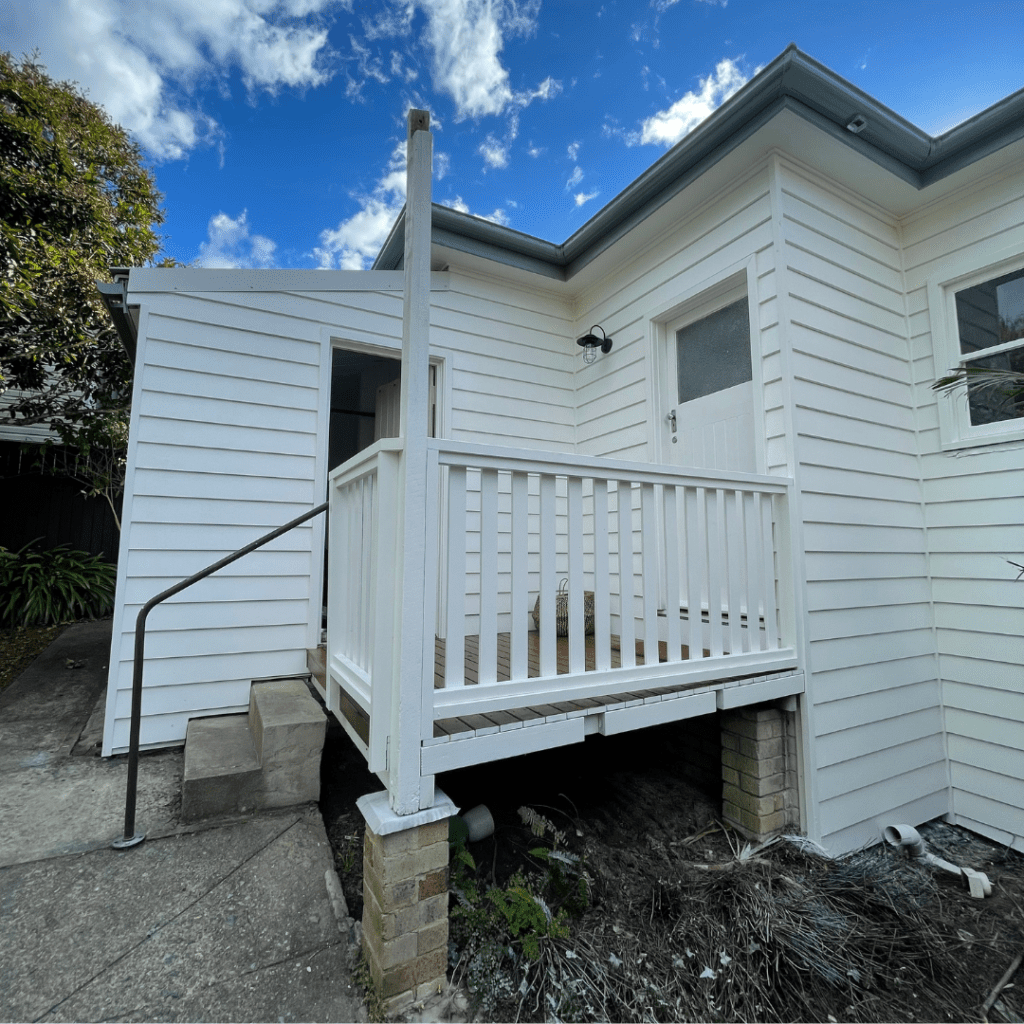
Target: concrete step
[(222, 770), (239, 764)]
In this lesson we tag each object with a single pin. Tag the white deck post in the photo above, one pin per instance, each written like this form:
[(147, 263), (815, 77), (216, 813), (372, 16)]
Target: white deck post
[(407, 794)]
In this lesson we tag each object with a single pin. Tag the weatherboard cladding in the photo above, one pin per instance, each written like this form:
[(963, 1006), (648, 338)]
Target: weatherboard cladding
[(869, 639), (975, 512), (227, 443), (877, 746)]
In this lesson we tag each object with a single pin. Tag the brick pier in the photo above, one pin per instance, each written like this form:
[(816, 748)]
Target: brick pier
[(405, 900), (759, 777)]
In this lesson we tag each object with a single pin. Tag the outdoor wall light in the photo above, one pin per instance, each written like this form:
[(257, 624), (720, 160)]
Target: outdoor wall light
[(591, 342)]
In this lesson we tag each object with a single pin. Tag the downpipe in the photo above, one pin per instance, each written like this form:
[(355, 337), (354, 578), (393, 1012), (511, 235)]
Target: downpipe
[(907, 837)]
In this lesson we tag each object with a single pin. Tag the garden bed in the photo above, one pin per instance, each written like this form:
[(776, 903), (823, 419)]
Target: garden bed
[(682, 920)]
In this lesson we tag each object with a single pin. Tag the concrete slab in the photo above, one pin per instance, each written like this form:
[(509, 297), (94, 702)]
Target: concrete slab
[(288, 728), (220, 924), (50, 693), (64, 805), (233, 921)]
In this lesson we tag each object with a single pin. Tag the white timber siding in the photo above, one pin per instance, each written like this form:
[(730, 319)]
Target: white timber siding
[(975, 519), (617, 412), (875, 746), (228, 441), (511, 358)]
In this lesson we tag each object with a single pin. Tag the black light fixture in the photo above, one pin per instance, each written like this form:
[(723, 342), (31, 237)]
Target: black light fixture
[(590, 343)]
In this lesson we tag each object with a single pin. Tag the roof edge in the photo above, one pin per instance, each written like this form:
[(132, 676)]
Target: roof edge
[(794, 81)]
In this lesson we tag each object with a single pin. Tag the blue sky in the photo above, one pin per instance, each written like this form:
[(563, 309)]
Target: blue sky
[(276, 127)]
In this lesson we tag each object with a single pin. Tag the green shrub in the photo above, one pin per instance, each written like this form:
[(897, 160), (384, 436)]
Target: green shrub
[(41, 587)]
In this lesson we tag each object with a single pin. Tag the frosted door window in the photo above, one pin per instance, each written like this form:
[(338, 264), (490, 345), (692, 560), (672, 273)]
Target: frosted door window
[(713, 353)]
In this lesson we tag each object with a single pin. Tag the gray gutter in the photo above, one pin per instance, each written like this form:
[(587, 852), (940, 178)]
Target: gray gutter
[(793, 81), (115, 297)]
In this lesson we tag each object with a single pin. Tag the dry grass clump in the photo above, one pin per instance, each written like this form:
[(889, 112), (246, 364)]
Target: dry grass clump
[(772, 935)]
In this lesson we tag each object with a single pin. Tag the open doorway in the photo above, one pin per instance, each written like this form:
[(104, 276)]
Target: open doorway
[(365, 406)]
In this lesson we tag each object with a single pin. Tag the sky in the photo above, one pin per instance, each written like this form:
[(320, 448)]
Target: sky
[(276, 128)]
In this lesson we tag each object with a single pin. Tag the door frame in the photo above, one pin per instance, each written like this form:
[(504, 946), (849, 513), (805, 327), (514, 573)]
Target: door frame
[(701, 295), (694, 299), (330, 339)]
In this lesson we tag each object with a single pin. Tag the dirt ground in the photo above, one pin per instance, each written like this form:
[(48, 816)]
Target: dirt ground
[(683, 923)]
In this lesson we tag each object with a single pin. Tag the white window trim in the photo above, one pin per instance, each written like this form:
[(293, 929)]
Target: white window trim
[(955, 428)]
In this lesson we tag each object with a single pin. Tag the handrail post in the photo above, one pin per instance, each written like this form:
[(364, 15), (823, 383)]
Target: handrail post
[(130, 837)]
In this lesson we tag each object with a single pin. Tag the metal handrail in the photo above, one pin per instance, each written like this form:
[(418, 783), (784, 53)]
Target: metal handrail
[(130, 837)]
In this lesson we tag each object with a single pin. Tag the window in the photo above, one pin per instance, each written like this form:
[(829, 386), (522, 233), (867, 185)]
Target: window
[(713, 353), (979, 323), (990, 326)]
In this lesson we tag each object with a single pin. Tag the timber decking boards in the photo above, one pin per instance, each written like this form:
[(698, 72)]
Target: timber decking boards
[(497, 721), (472, 657)]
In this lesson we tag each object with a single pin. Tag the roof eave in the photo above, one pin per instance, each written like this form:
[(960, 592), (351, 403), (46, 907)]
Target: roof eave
[(793, 81)]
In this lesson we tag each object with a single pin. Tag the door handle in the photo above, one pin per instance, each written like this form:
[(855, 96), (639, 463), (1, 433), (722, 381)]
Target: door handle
[(671, 417)]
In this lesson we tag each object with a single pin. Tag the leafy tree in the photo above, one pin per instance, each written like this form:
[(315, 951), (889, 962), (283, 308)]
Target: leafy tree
[(75, 201)]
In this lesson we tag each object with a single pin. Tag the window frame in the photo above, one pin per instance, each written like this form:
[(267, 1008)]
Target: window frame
[(955, 428)]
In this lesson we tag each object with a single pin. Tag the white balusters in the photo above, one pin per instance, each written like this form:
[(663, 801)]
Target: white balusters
[(577, 641), (548, 577), (520, 576), (649, 556), (602, 580), (670, 540), (455, 644), (487, 659), (627, 612)]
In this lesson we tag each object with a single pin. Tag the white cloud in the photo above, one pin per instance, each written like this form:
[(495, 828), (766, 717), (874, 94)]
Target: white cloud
[(584, 197), (498, 217), (667, 127), (141, 62), (230, 244), (355, 242), (575, 178), (535, 151), (573, 149), (466, 37), (547, 90), (442, 165), (393, 20), (494, 153)]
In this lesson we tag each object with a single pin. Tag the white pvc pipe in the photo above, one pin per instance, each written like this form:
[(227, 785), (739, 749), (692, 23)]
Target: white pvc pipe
[(907, 837)]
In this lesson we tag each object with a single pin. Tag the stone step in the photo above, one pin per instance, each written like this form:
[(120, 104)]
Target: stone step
[(222, 770), (239, 764)]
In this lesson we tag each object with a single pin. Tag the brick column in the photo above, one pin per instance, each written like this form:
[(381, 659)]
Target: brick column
[(759, 782), (405, 899)]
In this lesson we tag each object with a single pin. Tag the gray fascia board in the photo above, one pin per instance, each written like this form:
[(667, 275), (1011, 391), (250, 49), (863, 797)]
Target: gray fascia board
[(641, 207), (115, 298), (393, 249), (793, 81), (509, 255)]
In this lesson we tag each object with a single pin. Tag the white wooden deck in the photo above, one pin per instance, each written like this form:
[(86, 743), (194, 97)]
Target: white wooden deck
[(501, 526), (607, 714)]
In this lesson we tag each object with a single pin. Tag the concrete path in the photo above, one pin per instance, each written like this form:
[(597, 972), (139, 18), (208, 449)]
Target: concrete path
[(233, 921)]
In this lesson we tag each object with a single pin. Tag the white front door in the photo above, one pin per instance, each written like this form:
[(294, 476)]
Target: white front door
[(708, 416), (708, 395)]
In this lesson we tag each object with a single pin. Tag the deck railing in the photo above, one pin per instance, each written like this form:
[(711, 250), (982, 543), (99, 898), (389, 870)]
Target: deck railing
[(693, 565)]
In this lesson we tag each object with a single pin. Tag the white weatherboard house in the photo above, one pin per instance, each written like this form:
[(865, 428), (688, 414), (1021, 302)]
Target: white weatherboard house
[(757, 481)]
